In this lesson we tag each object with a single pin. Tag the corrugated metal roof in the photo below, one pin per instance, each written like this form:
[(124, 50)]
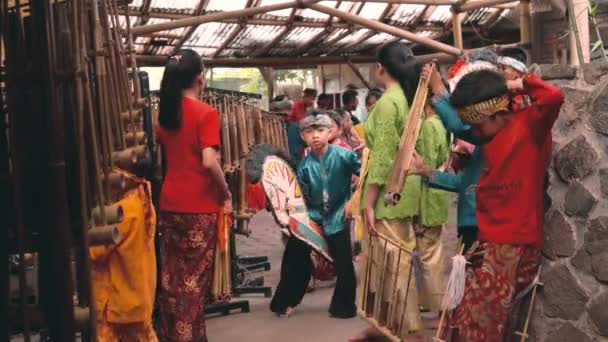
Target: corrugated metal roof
[(431, 21)]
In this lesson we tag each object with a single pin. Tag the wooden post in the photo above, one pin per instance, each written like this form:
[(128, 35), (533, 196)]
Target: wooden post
[(524, 22), (323, 87), (578, 16), (457, 29), (359, 75)]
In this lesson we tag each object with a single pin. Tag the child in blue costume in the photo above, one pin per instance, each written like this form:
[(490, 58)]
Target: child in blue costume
[(465, 181), (325, 178)]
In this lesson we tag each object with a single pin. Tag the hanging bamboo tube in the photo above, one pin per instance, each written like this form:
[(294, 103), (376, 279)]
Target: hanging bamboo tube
[(233, 134), (114, 214), (241, 129), (103, 235), (135, 138), (100, 87), (226, 149), (93, 142), (407, 145)]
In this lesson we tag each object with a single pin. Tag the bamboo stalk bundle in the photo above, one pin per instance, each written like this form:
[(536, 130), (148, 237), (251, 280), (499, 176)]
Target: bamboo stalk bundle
[(407, 144)]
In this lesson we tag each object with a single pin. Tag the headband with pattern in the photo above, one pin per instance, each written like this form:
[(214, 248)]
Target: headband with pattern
[(478, 112)]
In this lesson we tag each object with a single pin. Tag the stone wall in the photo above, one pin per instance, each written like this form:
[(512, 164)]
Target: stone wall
[(573, 303)]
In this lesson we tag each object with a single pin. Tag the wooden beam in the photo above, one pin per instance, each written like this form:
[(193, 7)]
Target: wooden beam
[(232, 36), (214, 17), (271, 44), (359, 75), (525, 17), (145, 13), (226, 43), (491, 21), (457, 29), (314, 39), (381, 27), (146, 60), (389, 11), (283, 22), (190, 30)]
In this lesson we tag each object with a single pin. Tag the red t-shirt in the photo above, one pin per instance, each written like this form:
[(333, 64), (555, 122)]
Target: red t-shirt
[(188, 187), (298, 111), (510, 206)]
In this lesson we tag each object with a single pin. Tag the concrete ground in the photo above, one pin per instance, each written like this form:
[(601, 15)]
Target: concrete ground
[(311, 321)]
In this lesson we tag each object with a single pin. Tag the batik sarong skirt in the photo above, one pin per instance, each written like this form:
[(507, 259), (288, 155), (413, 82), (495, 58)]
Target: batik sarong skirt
[(497, 273), (188, 245)]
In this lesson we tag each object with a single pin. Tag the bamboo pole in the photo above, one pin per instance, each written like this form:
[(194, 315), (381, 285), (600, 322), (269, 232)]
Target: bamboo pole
[(103, 235), (16, 175), (217, 17), (578, 15), (457, 29), (378, 26), (358, 74), (525, 22)]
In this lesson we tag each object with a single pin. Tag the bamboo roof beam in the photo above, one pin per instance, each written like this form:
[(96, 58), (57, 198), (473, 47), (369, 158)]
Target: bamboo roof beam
[(271, 44), (231, 37), (456, 23), (145, 13), (491, 21), (235, 33), (302, 49), (389, 11), (327, 31), (278, 62), (358, 74), (215, 17), (334, 27), (190, 30), (381, 27)]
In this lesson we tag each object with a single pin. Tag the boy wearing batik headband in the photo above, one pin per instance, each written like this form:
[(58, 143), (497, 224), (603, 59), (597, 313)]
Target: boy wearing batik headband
[(516, 150)]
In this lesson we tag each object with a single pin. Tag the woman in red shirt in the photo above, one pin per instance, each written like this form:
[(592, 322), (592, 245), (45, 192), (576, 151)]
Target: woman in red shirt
[(193, 193)]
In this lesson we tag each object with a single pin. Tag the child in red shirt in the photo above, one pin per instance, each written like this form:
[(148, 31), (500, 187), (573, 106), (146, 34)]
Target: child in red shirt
[(516, 149)]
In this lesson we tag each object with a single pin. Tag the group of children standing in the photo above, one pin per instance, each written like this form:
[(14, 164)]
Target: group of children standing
[(500, 187)]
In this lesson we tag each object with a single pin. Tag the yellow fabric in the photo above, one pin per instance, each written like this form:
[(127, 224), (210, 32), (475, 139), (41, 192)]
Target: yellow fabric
[(428, 247), (360, 128), (132, 332), (124, 275)]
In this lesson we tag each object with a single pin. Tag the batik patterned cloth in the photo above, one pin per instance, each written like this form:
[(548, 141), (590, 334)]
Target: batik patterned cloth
[(187, 248), (497, 273), (132, 332)]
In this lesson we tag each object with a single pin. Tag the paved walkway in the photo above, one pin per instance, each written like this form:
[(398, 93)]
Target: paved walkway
[(311, 321)]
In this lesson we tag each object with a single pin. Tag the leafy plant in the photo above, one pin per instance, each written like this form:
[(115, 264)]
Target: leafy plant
[(599, 43)]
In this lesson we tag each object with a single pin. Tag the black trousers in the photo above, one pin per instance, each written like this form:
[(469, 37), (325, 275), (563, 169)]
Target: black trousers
[(343, 300), (296, 269), (468, 235)]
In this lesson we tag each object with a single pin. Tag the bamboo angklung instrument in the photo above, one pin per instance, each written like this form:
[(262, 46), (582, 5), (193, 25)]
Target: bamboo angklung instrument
[(407, 144)]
